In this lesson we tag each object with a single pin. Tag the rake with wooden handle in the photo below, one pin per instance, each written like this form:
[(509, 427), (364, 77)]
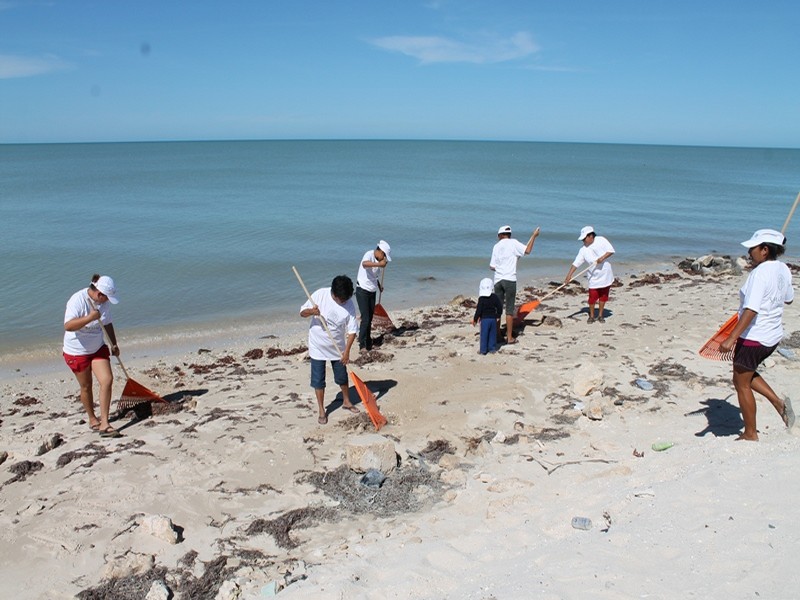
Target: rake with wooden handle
[(528, 307)]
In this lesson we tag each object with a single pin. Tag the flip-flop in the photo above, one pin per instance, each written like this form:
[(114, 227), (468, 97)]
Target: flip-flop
[(322, 420), (514, 341), (352, 409), (110, 432), (95, 427), (788, 414)]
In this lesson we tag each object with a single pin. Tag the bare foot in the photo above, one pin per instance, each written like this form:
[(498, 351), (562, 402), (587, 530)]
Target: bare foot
[(788, 414), (323, 419), (351, 408), (748, 439)]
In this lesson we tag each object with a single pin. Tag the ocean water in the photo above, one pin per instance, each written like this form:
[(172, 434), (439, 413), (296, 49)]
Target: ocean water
[(200, 235)]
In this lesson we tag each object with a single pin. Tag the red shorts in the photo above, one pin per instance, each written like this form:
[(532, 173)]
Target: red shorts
[(78, 364), (600, 294)]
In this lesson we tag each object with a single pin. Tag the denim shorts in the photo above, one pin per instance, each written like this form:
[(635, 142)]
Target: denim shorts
[(318, 373)]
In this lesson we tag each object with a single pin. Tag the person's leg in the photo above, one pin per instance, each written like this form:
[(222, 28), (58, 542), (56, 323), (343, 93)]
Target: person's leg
[(340, 377), (87, 399), (484, 344), (602, 299), (318, 383), (762, 387), (742, 382), (510, 307), (491, 336), (500, 290), (600, 312), (362, 299), (591, 302), (101, 368)]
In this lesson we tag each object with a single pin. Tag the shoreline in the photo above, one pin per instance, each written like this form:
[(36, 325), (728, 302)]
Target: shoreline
[(143, 343)]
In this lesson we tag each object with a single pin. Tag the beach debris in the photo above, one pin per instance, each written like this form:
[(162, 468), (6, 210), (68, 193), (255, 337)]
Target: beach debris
[(22, 469), (786, 353), (26, 401), (637, 454), (436, 450), (3, 457), (53, 441), (661, 446), (792, 341), (373, 478), (127, 565), (652, 279), (711, 264), (254, 354), (643, 384), (161, 527), (584, 523), (370, 451), (553, 467), (299, 518)]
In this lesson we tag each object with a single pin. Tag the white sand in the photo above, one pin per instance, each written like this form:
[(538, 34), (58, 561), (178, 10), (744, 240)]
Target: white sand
[(710, 517)]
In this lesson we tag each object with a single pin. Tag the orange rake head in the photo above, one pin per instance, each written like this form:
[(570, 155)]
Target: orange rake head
[(380, 318), (527, 308), (711, 349), (135, 393), (369, 401)]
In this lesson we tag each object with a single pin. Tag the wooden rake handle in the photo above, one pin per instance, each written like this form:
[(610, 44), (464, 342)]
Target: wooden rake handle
[(106, 338), (791, 212), (566, 283)]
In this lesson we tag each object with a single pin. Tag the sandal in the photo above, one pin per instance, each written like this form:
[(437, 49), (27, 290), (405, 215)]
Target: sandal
[(323, 420), (95, 427), (590, 320), (110, 432), (788, 414), (352, 409), (601, 320)]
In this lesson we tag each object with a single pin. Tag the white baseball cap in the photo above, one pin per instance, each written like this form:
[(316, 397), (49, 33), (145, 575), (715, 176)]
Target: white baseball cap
[(765, 236), (585, 231), (504, 229), (486, 287), (105, 285), (387, 249)]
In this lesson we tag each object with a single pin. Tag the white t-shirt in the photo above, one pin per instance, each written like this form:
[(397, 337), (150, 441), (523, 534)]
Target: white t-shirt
[(767, 289), (367, 278), (341, 319), (598, 276), (88, 339), (505, 255)]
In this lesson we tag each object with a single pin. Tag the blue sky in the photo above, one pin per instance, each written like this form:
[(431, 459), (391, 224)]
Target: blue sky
[(641, 71)]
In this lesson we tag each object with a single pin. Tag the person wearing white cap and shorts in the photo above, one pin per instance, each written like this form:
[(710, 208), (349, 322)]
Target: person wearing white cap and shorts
[(596, 251), (759, 329), (85, 350), (505, 254), (368, 282)]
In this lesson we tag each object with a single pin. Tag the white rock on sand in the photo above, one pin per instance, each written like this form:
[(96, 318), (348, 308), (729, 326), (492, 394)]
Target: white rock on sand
[(242, 468)]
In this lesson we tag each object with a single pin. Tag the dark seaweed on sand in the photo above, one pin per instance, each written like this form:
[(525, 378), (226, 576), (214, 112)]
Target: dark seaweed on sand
[(22, 469), (436, 449), (299, 518), (133, 587)]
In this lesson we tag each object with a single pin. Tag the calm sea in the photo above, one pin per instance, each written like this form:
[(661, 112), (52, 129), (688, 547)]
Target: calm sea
[(202, 235)]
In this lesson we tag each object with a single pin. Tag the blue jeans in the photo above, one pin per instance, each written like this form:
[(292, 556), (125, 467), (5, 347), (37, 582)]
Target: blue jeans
[(318, 373), (488, 335)]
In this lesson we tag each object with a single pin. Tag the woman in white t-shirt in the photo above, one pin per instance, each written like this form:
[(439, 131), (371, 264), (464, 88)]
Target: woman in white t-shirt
[(85, 350), (760, 328), (596, 251)]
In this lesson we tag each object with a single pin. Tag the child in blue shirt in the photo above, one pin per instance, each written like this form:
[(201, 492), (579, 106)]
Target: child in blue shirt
[(487, 314)]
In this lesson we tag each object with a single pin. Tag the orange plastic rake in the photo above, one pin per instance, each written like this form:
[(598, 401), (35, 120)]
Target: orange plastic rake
[(380, 318), (711, 349), (367, 397), (529, 307), (134, 393)]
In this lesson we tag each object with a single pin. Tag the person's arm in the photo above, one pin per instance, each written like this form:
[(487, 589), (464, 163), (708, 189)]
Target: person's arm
[(77, 323), (570, 273), (310, 312), (112, 337), (604, 257), (744, 322), (377, 263), (349, 343), (529, 247)]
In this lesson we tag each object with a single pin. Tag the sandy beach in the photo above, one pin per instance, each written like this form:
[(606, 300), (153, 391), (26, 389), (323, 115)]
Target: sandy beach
[(233, 490)]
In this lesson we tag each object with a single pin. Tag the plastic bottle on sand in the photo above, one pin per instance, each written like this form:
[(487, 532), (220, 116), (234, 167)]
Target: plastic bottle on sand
[(581, 522)]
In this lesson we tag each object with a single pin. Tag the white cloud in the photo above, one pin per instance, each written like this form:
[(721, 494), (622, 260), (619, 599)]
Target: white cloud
[(434, 49), (26, 66)]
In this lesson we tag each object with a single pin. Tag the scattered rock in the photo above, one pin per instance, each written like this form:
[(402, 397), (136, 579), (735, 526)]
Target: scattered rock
[(161, 527), (158, 591), (53, 441), (371, 451), (130, 563), (587, 378)]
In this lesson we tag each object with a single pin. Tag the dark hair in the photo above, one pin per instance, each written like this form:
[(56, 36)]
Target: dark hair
[(774, 250), (342, 287), (95, 277)]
